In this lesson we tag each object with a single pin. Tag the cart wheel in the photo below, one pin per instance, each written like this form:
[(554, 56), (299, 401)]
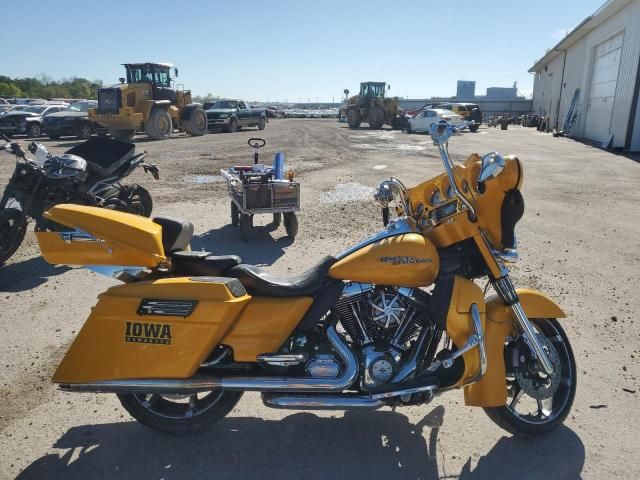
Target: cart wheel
[(235, 216), (291, 224), (277, 218), (246, 225)]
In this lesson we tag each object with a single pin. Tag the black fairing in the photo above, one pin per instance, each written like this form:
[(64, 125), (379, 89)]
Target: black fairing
[(510, 213)]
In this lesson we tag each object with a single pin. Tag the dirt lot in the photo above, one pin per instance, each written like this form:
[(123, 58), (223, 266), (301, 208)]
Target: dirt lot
[(579, 242)]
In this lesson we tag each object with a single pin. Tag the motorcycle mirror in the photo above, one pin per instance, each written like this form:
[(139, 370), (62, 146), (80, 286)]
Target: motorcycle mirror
[(492, 164), (346, 91), (121, 79), (441, 132)]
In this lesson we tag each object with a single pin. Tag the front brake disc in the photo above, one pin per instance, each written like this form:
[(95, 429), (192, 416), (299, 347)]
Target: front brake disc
[(530, 378)]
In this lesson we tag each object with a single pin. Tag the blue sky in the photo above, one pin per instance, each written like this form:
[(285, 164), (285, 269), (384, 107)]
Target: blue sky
[(294, 50)]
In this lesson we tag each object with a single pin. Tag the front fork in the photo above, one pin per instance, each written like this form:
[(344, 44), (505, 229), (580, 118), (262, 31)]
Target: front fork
[(506, 291)]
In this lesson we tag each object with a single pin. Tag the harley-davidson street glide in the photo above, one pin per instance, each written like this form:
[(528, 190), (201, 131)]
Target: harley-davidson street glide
[(188, 332)]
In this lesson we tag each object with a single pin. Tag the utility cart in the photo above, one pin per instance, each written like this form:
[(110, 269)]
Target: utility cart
[(259, 189)]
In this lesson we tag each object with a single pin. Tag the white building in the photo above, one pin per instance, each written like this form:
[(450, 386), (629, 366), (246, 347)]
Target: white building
[(600, 60)]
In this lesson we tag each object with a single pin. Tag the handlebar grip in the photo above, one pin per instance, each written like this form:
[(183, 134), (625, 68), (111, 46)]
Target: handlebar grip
[(385, 216)]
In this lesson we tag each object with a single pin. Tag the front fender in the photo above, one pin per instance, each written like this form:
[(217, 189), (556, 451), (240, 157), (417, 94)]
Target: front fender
[(491, 390)]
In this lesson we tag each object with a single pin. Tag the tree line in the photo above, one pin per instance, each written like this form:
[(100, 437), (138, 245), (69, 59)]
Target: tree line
[(45, 87)]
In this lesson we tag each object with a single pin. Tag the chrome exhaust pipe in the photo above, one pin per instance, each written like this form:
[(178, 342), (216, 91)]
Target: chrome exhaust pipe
[(321, 401), (259, 384)]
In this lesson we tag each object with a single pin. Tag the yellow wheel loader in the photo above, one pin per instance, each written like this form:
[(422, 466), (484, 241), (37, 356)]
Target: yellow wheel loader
[(371, 106), (146, 101)]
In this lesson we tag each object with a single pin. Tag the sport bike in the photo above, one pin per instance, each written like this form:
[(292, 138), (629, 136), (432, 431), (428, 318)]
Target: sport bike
[(188, 332), (87, 174)]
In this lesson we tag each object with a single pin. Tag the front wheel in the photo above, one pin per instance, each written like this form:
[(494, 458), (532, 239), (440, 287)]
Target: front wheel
[(179, 414), (538, 403), (159, 126), (13, 227), (84, 132), (34, 130), (291, 224)]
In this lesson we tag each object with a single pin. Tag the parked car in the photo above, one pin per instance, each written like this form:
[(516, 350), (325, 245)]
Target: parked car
[(27, 119), (73, 120), (470, 111), (423, 120), (5, 107), (232, 115)]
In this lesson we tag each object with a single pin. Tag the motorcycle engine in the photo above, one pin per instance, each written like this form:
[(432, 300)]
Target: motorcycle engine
[(383, 321)]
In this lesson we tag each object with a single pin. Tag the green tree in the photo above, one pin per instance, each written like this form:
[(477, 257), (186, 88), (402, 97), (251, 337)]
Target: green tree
[(9, 90)]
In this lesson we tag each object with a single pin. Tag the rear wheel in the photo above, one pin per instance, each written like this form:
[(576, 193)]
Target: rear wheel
[(13, 227), (353, 118), (291, 224), (376, 118), (180, 414), (159, 126), (474, 128), (538, 403), (120, 134), (233, 126), (262, 124), (139, 200), (196, 125)]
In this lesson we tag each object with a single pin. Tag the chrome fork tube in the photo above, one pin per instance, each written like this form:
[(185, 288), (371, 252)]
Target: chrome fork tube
[(531, 339), (507, 293)]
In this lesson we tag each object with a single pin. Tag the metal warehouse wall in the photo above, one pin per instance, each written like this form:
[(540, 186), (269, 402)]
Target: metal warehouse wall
[(546, 88), (579, 69)]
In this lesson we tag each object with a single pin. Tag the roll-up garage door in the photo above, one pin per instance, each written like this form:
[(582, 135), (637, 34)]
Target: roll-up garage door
[(603, 89)]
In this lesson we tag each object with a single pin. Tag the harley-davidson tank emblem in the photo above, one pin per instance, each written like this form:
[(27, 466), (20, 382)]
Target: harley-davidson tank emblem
[(405, 260), (158, 333)]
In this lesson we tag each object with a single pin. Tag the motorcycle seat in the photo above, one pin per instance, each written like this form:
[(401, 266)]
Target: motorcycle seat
[(258, 281), (176, 233), (202, 264)]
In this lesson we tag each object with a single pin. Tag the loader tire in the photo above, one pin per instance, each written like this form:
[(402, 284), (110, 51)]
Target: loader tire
[(376, 118), (196, 125), (353, 118), (159, 126)]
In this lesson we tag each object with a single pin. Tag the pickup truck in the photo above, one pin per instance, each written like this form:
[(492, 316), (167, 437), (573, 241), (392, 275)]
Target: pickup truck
[(232, 115)]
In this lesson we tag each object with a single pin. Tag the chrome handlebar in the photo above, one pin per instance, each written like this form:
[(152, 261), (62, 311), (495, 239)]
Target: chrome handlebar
[(440, 133)]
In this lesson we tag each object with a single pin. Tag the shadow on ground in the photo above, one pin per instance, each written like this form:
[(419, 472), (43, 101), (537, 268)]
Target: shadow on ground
[(359, 445), (266, 245), (20, 276)]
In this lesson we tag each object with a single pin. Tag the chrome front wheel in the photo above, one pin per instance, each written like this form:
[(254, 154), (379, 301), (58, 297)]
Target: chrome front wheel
[(179, 413), (538, 403)]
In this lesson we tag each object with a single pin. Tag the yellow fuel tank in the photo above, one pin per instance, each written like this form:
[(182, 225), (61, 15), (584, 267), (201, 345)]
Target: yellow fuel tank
[(405, 260)]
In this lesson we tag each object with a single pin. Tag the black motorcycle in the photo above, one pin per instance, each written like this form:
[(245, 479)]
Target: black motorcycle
[(87, 174)]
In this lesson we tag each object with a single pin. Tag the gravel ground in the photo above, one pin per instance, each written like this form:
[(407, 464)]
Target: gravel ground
[(579, 242)]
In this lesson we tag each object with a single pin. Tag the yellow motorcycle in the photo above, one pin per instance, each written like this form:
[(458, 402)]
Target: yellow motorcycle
[(396, 320)]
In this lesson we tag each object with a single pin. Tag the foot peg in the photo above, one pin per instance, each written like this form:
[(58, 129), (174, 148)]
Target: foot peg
[(282, 360)]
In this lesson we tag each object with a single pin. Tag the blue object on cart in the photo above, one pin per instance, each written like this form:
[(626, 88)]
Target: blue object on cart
[(278, 165)]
